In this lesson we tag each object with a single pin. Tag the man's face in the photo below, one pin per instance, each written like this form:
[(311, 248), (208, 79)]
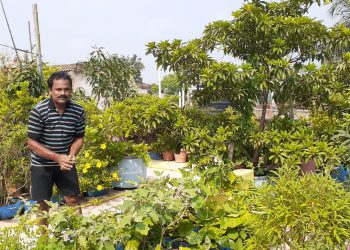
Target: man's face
[(61, 91)]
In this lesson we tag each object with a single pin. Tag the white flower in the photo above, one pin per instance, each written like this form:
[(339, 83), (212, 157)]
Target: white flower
[(65, 237)]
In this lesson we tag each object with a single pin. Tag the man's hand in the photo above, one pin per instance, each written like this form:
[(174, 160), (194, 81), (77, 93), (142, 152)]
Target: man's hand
[(65, 162)]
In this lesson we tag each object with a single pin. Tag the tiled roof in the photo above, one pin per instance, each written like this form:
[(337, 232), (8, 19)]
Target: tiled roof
[(75, 67)]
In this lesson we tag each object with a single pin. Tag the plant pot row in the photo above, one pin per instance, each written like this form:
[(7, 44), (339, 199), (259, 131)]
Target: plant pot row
[(181, 157)]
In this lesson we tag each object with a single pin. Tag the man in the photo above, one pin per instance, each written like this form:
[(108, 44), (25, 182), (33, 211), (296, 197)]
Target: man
[(55, 136)]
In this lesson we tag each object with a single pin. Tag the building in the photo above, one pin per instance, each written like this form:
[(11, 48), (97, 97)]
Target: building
[(80, 80)]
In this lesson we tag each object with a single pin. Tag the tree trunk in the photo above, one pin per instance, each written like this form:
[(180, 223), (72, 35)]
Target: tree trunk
[(262, 125), (230, 150)]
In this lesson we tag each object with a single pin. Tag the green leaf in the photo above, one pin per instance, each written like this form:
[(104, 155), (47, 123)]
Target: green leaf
[(185, 227), (82, 241), (142, 228), (109, 246), (232, 177), (132, 245)]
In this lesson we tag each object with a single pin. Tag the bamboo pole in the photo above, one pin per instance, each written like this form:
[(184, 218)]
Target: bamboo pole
[(37, 41)]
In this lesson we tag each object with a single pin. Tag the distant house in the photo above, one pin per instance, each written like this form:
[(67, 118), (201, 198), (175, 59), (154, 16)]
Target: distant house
[(80, 80)]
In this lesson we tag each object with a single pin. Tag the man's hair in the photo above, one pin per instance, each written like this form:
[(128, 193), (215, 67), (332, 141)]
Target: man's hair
[(58, 76)]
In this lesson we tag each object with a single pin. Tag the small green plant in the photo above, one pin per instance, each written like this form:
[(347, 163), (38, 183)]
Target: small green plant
[(14, 156), (300, 212), (293, 145)]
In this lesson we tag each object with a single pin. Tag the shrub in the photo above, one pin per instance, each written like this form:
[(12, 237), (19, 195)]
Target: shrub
[(301, 212)]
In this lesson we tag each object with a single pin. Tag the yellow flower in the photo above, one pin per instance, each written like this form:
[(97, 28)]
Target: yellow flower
[(103, 146), (115, 175), (98, 164), (87, 154), (100, 125), (87, 165), (99, 187), (84, 170)]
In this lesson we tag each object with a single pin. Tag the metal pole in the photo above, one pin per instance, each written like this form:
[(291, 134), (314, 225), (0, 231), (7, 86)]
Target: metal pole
[(30, 41), (159, 85), (37, 40), (183, 96), (13, 41)]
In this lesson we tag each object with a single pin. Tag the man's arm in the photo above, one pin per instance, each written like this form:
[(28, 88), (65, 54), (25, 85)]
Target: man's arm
[(76, 147), (63, 160)]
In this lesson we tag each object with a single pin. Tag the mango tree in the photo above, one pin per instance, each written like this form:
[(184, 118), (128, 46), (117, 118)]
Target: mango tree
[(275, 43)]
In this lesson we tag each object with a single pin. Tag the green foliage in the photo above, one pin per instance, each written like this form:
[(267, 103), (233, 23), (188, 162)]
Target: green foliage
[(327, 88), (97, 152), (14, 156), (170, 85), (80, 95), (141, 118), (293, 144), (101, 151), (154, 89), (343, 137), (341, 8), (29, 73), (301, 212), (206, 137), (157, 214), (111, 76)]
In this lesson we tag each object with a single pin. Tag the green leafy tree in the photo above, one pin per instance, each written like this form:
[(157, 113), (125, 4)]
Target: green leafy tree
[(138, 66), (154, 89), (111, 76), (28, 72), (275, 41), (341, 8), (170, 85)]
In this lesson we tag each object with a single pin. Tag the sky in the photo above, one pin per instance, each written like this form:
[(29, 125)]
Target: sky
[(70, 29)]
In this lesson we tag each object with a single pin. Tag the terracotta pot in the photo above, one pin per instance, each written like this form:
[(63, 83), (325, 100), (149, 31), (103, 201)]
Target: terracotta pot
[(181, 157), (168, 156), (308, 167)]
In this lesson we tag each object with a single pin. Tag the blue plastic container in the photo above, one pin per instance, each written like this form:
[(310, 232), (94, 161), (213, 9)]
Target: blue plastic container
[(260, 180), (131, 171), (155, 155), (119, 247), (340, 174), (96, 193), (9, 211)]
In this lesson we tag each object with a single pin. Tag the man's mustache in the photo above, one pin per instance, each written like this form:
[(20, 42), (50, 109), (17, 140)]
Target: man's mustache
[(62, 96)]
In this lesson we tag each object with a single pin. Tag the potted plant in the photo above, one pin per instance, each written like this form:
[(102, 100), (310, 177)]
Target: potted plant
[(97, 154), (168, 145), (131, 166), (298, 147)]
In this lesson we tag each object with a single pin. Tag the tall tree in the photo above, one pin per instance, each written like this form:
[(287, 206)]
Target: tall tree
[(274, 40), (111, 76), (170, 85)]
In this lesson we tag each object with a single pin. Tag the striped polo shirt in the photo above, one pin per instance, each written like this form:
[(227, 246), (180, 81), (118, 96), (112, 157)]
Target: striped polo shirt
[(53, 130)]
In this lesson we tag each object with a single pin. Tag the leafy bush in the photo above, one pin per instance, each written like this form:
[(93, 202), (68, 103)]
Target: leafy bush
[(101, 151), (301, 212), (294, 144), (141, 118), (14, 155)]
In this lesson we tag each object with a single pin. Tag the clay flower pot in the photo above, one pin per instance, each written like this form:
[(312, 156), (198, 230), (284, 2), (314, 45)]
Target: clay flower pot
[(308, 166), (181, 157), (168, 156)]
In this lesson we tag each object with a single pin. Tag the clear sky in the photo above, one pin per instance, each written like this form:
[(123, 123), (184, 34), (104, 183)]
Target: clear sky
[(69, 29)]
